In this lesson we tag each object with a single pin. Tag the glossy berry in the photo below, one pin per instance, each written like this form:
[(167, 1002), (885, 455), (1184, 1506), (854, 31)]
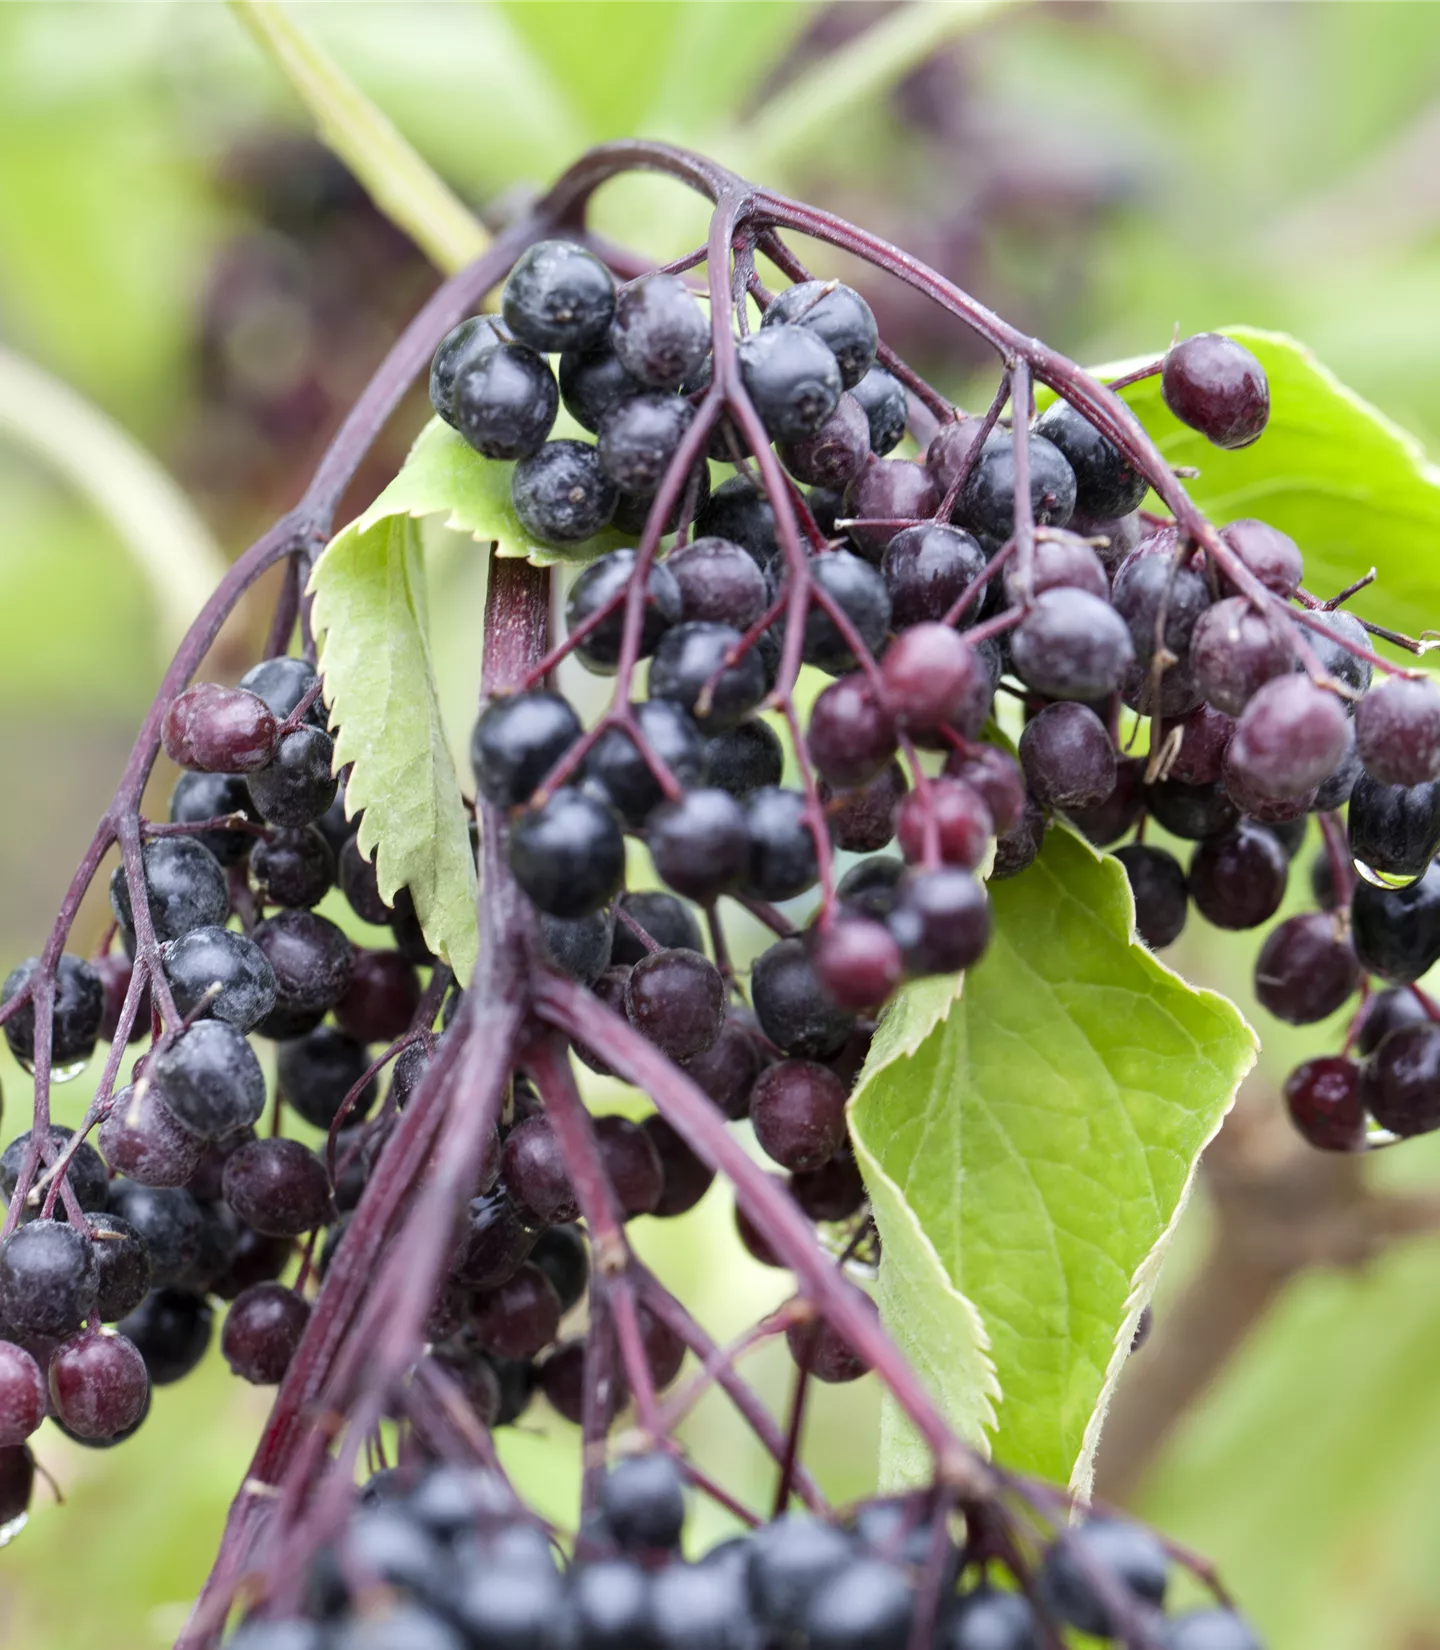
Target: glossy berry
[(1334, 647), (858, 591), (122, 1265), (934, 678), (98, 1384), (504, 401), (47, 1279), (262, 1332), (1400, 1084), (1129, 1554), (697, 659), (700, 843), (676, 999), (201, 796), (851, 736), (1217, 386), (278, 1187), (798, 1112), (1067, 756), (1272, 556), (210, 1079), (86, 1174), (592, 381), (862, 819), (744, 758), (381, 999), (534, 1170), (1193, 812), (1071, 645), (1238, 880), (185, 888), (953, 816), (795, 1011), (1397, 731), (886, 407), (792, 377), (997, 777), (1235, 650), (834, 1191), (169, 1222), (1289, 738), (297, 786), (22, 1395), (639, 438), (1107, 822), (142, 1138), (659, 334), (642, 1499), (857, 961), (520, 1317), (1105, 482), (726, 1072), (171, 1329), (1157, 884), (940, 920), (1209, 1630), (221, 974), (282, 683), (558, 297), (561, 494), (887, 490), (665, 921), (685, 1177), (836, 452), (1383, 1013), (792, 1560), (987, 504), (739, 511), (295, 868), (219, 730), (1396, 931), (719, 583), (605, 579), (1153, 592), (989, 1619), (783, 859), (838, 316), (1323, 1099), (316, 1072), (1305, 970), (927, 569), (517, 741), (457, 349), (568, 855), (616, 765), (79, 1003), (563, 1255)]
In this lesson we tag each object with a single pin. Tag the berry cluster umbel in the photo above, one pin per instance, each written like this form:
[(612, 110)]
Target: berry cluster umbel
[(455, 1254)]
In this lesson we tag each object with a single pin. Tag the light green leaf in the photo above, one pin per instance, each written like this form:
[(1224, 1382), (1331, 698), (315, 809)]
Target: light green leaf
[(442, 475), (1030, 1152), (371, 621), (1352, 488)]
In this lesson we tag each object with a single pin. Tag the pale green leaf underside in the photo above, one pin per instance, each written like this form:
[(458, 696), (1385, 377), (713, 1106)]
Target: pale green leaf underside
[(371, 621), (1352, 488), (1039, 1142), (443, 476)]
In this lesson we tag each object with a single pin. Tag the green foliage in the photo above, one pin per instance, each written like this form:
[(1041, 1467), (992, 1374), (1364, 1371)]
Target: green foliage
[(371, 620), (1351, 488), (1036, 1144)]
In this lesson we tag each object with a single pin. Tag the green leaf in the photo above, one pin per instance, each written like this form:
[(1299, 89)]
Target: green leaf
[(442, 475), (1352, 488), (1030, 1142), (371, 621)]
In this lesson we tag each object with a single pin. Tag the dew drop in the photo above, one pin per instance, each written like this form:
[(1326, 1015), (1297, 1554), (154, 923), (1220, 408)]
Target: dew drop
[(1386, 879), (9, 1531)]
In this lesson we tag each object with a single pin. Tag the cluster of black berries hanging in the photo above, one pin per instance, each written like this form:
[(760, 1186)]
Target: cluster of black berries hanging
[(923, 592), (184, 1204), (439, 1558)]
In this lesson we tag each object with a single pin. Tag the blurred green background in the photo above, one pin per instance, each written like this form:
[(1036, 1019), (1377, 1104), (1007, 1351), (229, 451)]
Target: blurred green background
[(174, 246)]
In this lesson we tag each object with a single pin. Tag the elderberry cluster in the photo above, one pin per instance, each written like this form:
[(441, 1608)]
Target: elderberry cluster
[(443, 1558), (185, 1205), (923, 592)]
